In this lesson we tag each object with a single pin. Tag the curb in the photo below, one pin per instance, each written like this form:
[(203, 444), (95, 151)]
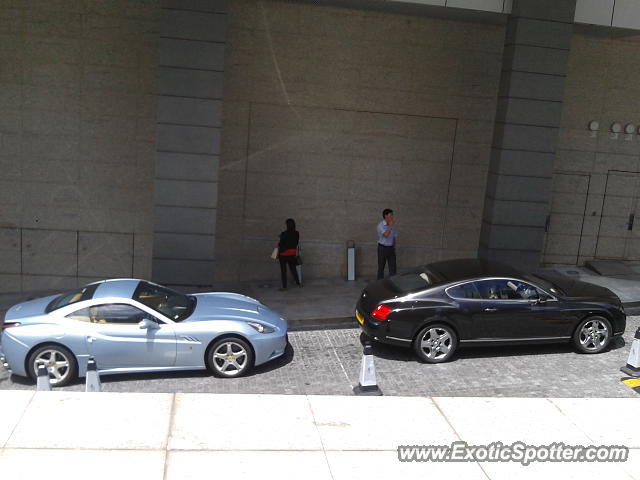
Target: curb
[(321, 324)]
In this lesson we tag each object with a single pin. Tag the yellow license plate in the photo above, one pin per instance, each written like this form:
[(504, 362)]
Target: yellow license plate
[(359, 317)]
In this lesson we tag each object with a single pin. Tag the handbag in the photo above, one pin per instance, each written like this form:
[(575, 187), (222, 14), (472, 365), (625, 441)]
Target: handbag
[(274, 254), (298, 260)]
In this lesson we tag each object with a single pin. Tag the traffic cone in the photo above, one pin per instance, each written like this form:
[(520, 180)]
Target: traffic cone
[(633, 363), (43, 384), (93, 378), (367, 382)]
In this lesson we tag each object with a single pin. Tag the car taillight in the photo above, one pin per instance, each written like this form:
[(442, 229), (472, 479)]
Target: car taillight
[(381, 312), (6, 325)]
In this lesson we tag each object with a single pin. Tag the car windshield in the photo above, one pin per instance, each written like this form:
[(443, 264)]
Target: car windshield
[(545, 283), (85, 293), (168, 302)]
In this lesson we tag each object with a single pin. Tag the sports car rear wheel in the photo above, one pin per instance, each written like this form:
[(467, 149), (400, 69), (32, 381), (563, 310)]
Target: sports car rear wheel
[(230, 357), (592, 335), (435, 343), (58, 361)]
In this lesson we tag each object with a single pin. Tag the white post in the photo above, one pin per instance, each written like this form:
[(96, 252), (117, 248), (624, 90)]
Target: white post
[(43, 384), (633, 363), (93, 378), (367, 382)]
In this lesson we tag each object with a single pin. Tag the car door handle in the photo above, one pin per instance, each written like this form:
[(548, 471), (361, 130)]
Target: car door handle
[(490, 309), (91, 339)]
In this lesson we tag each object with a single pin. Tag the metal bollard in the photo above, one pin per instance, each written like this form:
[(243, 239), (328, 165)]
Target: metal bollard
[(367, 382), (43, 384), (351, 260), (633, 363), (93, 378)]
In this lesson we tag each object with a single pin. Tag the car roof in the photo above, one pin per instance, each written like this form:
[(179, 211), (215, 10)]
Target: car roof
[(121, 287), (448, 271)]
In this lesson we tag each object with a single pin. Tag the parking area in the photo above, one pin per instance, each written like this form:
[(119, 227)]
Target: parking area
[(328, 362)]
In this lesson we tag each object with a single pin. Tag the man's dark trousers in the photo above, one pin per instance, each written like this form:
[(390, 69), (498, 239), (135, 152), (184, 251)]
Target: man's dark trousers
[(386, 254)]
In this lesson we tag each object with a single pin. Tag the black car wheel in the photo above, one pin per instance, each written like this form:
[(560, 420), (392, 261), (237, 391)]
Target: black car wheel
[(230, 357), (435, 343), (592, 335), (57, 360)]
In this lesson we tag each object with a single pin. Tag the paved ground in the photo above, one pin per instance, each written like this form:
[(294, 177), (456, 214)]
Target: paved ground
[(328, 362), (183, 436)]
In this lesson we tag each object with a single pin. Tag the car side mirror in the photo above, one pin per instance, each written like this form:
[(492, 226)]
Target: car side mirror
[(147, 324), (540, 300)]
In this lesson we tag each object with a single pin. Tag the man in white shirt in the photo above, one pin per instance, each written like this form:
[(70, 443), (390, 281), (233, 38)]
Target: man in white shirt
[(387, 234)]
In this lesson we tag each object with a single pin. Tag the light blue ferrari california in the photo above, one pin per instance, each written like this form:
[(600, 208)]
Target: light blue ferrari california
[(137, 326)]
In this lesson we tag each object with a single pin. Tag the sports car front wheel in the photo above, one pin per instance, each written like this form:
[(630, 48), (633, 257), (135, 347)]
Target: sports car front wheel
[(592, 335), (230, 357), (57, 360)]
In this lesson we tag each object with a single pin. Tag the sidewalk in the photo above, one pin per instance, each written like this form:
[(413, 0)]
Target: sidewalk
[(330, 302), (68, 435)]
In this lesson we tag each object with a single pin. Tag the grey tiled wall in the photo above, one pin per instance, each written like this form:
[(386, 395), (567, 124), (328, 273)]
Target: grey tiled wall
[(332, 114), (77, 96), (190, 75)]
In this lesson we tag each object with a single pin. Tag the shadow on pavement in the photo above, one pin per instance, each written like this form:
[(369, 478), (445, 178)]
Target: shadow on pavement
[(392, 352), (266, 367)]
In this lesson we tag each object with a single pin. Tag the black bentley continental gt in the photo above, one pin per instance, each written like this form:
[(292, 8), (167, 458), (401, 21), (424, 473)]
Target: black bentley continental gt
[(441, 306)]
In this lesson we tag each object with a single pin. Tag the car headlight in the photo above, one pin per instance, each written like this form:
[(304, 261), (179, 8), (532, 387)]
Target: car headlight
[(258, 327)]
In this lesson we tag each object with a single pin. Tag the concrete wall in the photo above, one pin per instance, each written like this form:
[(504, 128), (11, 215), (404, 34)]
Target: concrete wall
[(526, 130), (77, 85), (331, 115), (190, 74), (595, 185)]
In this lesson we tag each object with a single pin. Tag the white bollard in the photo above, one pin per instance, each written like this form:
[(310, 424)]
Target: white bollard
[(43, 384), (633, 363), (368, 384), (93, 378)]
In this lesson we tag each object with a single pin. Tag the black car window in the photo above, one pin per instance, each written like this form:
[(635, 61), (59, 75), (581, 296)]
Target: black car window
[(84, 293), (111, 313), (170, 303), (465, 291), (507, 289)]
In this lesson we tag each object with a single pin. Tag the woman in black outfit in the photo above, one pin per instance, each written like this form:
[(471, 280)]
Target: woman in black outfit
[(287, 252)]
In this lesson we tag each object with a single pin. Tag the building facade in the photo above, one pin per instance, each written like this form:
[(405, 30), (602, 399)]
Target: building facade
[(171, 139)]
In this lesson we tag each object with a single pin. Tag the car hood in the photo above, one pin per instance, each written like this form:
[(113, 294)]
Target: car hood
[(30, 308), (232, 306), (583, 290)]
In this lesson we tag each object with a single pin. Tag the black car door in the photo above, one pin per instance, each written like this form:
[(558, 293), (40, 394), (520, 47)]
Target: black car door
[(467, 304), (512, 309)]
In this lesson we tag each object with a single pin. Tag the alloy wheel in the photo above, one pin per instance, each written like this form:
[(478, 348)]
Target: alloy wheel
[(56, 363), (230, 358), (594, 335), (436, 343)]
